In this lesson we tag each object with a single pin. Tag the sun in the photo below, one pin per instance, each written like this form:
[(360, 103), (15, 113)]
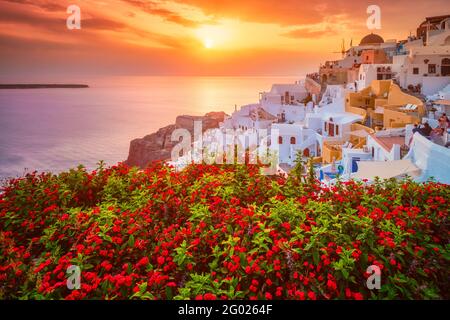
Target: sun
[(208, 43), (213, 36)]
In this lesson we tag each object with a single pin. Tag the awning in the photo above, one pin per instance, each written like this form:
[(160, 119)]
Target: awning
[(444, 102), (360, 133), (386, 169)]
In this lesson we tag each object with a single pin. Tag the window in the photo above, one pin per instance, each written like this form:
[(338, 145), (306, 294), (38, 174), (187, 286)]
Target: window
[(415, 70), (280, 140), (431, 68), (337, 130), (331, 129), (325, 126), (306, 152), (445, 67), (293, 140)]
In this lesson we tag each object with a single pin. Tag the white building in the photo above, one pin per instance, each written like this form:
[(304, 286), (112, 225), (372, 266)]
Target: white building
[(369, 72), (432, 159), (293, 138), (334, 96), (249, 117), (284, 94), (427, 65), (386, 145)]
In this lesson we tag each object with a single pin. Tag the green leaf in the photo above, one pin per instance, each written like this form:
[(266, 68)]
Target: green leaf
[(131, 241)]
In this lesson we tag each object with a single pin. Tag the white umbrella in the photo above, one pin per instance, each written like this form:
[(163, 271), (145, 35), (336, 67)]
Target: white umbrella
[(386, 169), (360, 133)]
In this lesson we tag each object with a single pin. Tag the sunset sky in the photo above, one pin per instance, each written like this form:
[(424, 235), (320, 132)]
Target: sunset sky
[(192, 37)]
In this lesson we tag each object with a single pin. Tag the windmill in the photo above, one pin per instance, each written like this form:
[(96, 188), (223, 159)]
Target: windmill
[(342, 49)]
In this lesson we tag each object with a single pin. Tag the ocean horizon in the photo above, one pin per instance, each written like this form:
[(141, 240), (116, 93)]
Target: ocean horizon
[(58, 129)]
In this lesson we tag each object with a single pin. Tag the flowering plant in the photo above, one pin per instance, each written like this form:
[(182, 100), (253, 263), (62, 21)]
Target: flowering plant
[(220, 232)]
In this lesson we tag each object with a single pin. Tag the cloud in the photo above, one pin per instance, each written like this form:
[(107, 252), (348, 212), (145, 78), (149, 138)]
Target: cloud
[(154, 8), (31, 18), (307, 12), (103, 24), (51, 6), (286, 12), (307, 33), (119, 39), (54, 27), (55, 23)]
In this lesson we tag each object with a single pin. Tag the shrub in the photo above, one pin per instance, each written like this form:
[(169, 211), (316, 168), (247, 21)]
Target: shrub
[(220, 232)]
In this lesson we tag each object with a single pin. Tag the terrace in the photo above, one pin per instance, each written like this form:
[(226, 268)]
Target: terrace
[(385, 105), (355, 139)]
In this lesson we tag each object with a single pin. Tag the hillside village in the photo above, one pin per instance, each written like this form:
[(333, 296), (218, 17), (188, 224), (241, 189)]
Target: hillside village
[(379, 111)]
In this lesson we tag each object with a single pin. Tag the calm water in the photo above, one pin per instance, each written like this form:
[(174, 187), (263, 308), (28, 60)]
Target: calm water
[(56, 129)]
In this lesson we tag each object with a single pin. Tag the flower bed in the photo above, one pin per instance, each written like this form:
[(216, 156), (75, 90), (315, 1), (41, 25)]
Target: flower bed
[(226, 232)]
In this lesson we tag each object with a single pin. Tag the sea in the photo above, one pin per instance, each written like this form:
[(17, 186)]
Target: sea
[(58, 129)]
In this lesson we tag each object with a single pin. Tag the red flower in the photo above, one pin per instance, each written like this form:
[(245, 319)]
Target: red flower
[(286, 225), (106, 265), (279, 292), (331, 284), (268, 296), (143, 262), (300, 295), (358, 296), (117, 240), (209, 296), (348, 293), (311, 295), (160, 260)]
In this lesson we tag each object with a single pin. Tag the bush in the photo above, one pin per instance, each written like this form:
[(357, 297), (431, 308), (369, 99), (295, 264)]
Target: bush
[(220, 232)]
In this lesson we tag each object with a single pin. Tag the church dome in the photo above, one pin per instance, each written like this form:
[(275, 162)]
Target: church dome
[(371, 39)]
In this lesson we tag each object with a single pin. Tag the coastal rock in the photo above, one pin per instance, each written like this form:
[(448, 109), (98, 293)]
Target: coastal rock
[(158, 145)]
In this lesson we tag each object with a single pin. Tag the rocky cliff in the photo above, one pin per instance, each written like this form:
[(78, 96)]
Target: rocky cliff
[(158, 145)]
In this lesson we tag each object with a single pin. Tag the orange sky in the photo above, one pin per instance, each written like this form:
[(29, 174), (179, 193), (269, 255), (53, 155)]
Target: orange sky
[(192, 37)]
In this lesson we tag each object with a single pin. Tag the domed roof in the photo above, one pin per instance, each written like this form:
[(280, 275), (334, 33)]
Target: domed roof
[(371, 39)]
